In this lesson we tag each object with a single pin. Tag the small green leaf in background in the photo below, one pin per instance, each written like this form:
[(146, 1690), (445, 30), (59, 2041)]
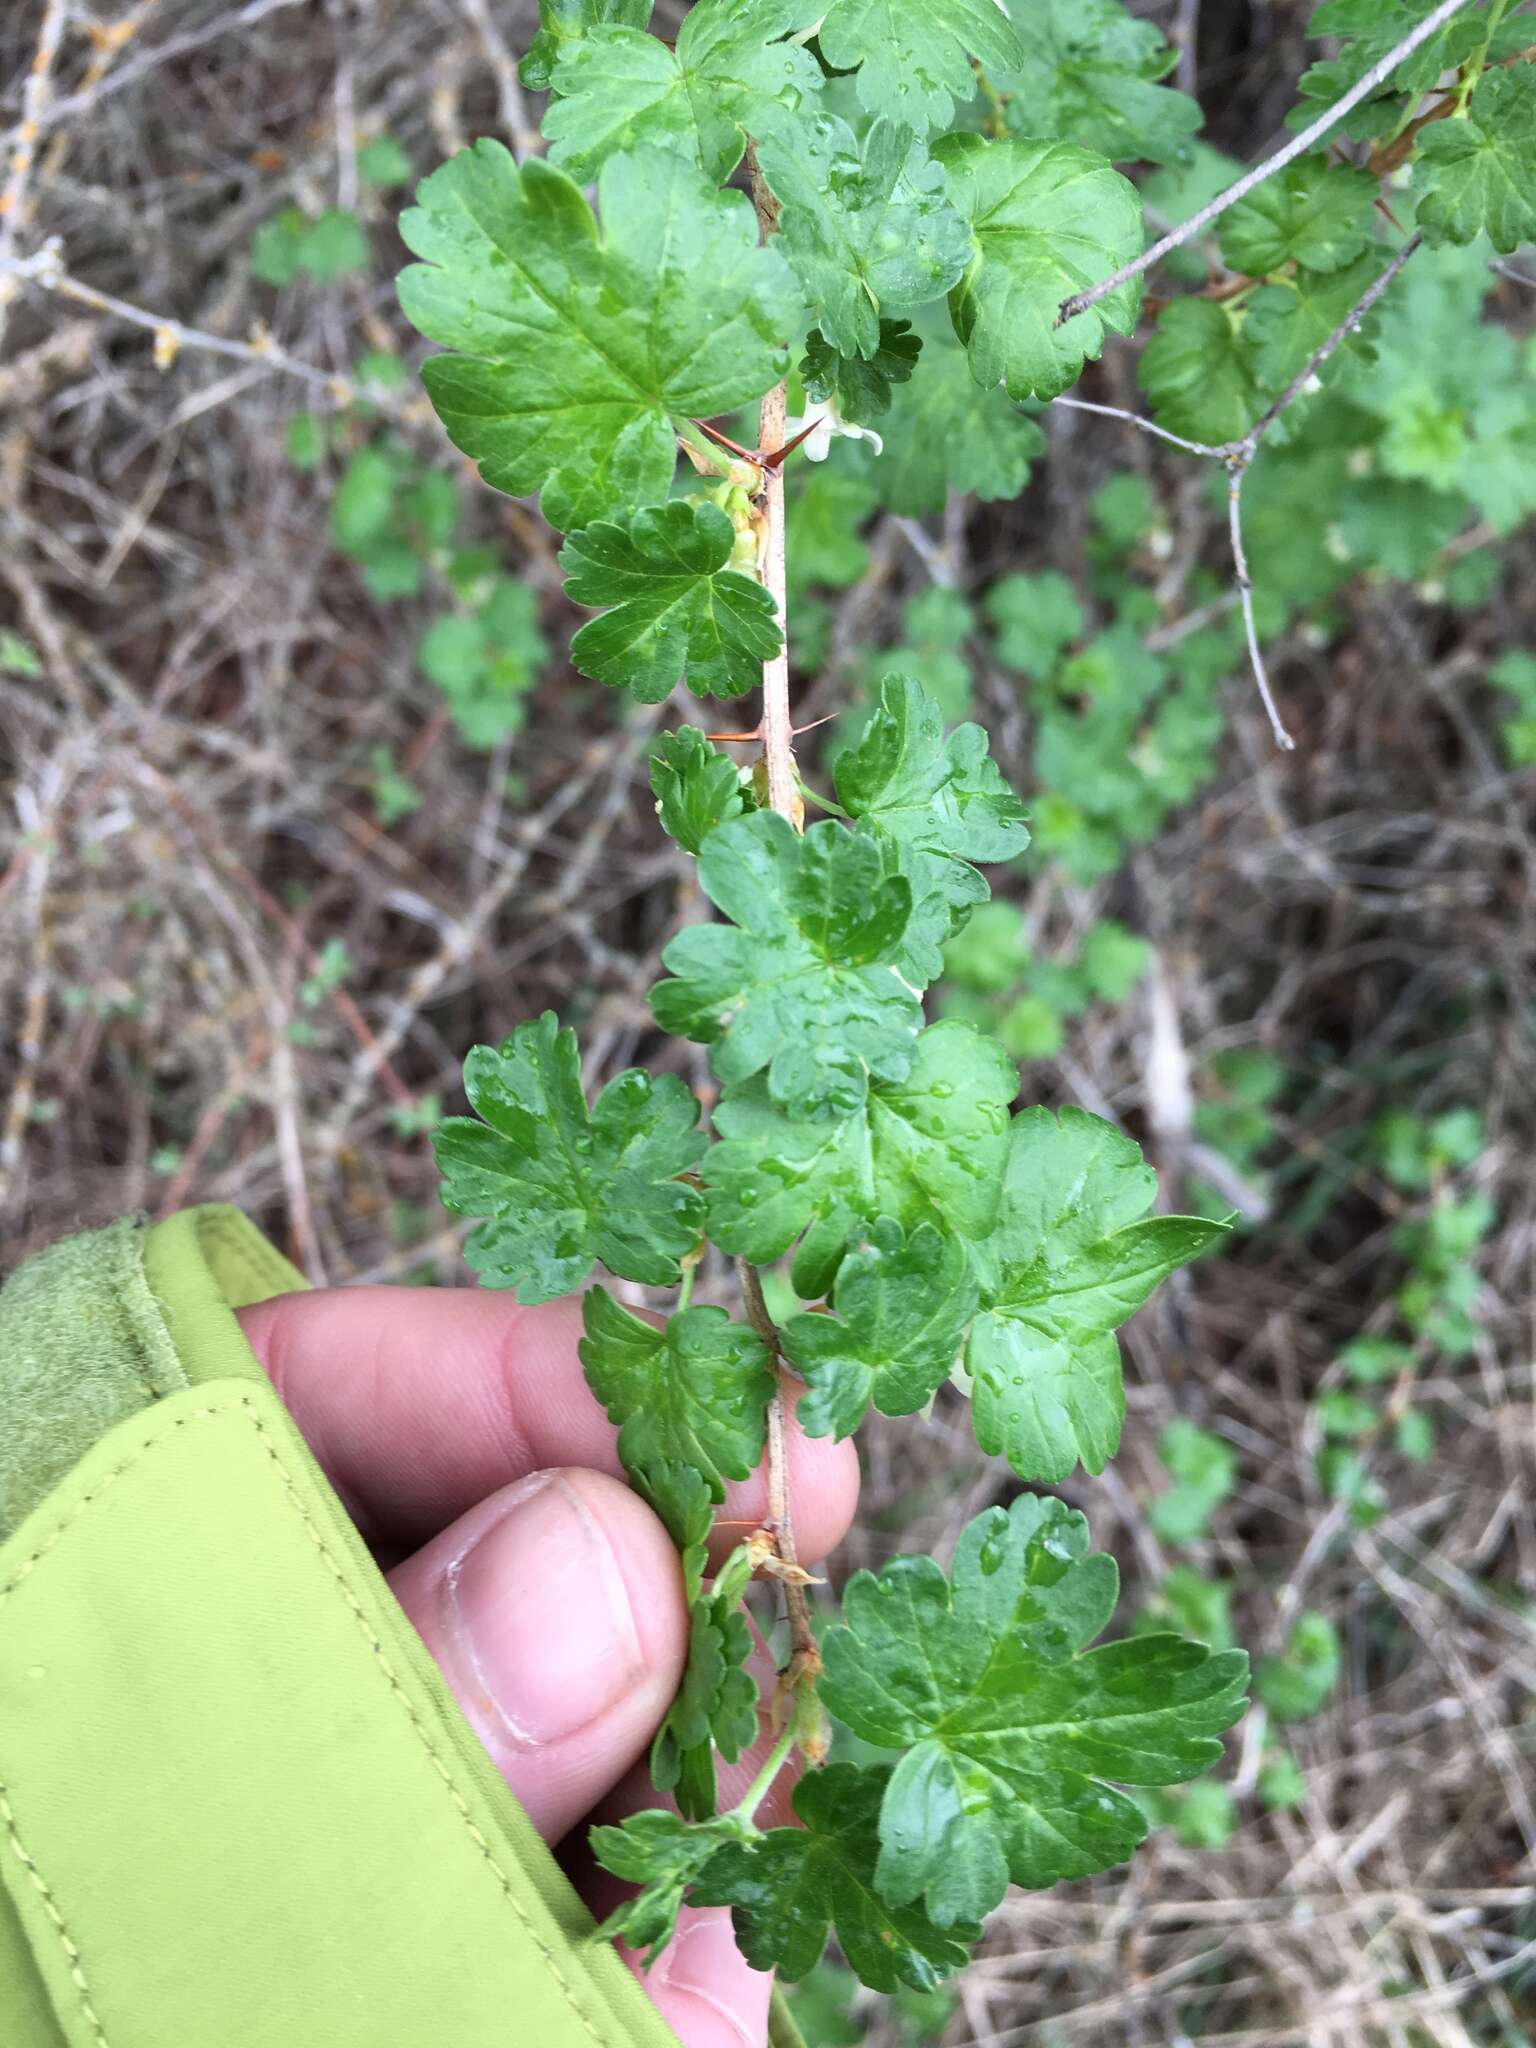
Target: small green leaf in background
[(991, 951), (383, 162), (1037, 618), (1413, 1435), (275, 247), (16, 657), (786, 1886), (485, 661), (1048, 219), (1113, 960), (1282, 1782), (1012, 1726), (305, 440), (1193, 1605), (334, 246), (679, 610), (1201, 1816), (1514, 672), (1300, 1682), (562, 1185), (1205, 1468)]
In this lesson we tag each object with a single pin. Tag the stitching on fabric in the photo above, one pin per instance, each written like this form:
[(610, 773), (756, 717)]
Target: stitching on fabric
[(60, 1927), (108, 1479), (476, 1834), (374, 1643)]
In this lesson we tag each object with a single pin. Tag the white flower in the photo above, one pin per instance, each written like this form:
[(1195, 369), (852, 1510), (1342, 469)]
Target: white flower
[(828, 425)]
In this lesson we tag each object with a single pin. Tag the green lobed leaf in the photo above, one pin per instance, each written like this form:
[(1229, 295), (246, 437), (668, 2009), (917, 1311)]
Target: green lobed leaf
[(685, 1501), (1197, 372), (562, 1185), (826, 508), (860, 386), (617, 88), (1069, 1262), (694, 1393), (931, 1147), (1089, 75), (1047, 219), (679, 610), (384, 162), (944, 796), (914, 55), (563, 22), (1204, 1467), (799, 982), (1037, 619), (948, 433), (937, 805), (575, 349), (1288, 322), (1300, 1682), (1011, 1725), (867, 225), (1373, 28), (664, 1854), (1317, 214), (786, 1886), (716, 1704), (902, 1305), (1478, 174), (696, 787)]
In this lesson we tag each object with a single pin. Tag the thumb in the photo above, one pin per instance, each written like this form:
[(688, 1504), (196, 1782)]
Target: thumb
[(555, 1609)]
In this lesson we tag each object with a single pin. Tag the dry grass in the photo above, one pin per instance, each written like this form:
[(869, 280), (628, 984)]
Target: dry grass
[(187, 824)]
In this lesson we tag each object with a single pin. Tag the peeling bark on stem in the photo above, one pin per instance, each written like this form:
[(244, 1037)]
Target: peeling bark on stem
[(777, 733), (777, 730)]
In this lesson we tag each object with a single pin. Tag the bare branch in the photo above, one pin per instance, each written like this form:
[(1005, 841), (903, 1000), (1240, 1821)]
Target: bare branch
[(39, 90), (526, 139), (1079, 302), (94, 90), (1237, 455), (1245, 593), (1320, 355), (1134, 419), (45, 269)]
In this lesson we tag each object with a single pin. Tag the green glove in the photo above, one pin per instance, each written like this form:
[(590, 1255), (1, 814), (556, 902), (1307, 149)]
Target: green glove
[(239, 1802)]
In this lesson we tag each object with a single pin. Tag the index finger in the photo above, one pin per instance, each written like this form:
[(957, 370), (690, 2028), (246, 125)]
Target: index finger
[(419, 1402)]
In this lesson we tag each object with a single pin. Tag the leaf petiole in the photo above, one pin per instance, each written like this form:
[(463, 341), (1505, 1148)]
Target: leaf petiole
[(762, 1784)]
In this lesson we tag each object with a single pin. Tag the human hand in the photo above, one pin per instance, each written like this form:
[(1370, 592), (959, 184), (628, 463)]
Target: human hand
[(460, 1434)]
